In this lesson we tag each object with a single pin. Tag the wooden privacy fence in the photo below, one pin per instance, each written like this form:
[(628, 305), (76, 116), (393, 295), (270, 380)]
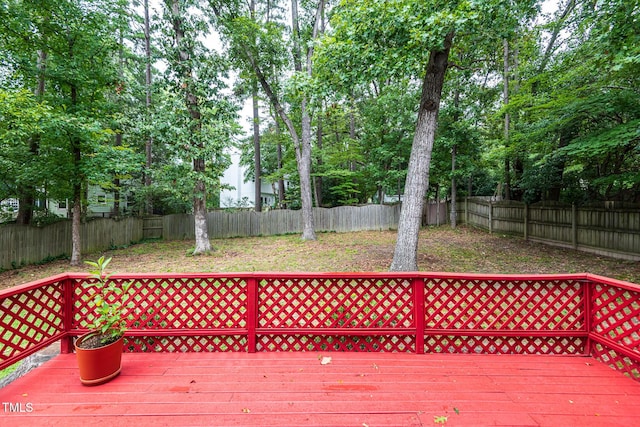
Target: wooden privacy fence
[(610, 232), (223, 224), (575, 314), (22, 244)]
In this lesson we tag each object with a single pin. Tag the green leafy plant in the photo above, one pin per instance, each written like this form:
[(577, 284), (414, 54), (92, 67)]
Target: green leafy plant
[(108, 301)]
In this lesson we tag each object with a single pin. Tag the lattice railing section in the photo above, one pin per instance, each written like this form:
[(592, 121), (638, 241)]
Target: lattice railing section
[(30, 320), (615, 327), (504, 316), (178, 314), (339, 313), (421, 312)]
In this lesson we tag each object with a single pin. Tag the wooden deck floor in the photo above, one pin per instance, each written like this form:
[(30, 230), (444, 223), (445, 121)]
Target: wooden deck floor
[(354, 389)]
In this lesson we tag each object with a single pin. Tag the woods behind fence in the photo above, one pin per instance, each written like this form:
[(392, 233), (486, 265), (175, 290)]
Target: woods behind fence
[(612, 232)]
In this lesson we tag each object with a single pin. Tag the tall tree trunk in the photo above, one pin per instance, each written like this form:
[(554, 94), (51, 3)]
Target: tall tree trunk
[(118, 137), (405, 257), (303, 156), (303, 149), (317, 181), (76, 242), (453, 215), (116, 183), (555, 191), (507, 121), (256, 130), (256, 149), (281, 195), (76, 214), (301, 143), (148, 149), (27, 193), (78, 179), (203, 244)]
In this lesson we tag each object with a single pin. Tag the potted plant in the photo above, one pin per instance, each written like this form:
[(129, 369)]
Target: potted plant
[(99, 352)]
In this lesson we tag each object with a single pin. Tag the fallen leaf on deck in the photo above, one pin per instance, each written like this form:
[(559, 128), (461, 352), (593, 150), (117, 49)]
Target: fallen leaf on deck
[(325, 360), (439, 419)]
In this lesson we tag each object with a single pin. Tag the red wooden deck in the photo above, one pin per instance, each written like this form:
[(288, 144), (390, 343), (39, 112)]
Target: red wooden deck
[(354, 389)]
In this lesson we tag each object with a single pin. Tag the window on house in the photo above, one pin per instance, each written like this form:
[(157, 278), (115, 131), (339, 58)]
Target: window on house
[(102, 199), (62, 204)]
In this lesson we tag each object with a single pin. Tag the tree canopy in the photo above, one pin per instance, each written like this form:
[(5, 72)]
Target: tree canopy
[(367, 101)]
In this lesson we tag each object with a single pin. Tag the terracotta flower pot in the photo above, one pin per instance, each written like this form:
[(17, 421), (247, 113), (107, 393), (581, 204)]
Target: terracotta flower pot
[(101, 364)]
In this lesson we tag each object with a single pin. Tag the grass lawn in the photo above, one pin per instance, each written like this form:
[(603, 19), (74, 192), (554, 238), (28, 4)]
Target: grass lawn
[(440, 249)]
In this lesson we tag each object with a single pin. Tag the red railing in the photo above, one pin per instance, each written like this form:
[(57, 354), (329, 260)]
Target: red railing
[(577, 314)]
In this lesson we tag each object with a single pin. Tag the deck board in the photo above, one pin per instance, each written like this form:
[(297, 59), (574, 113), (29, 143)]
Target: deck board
[(354, 389)]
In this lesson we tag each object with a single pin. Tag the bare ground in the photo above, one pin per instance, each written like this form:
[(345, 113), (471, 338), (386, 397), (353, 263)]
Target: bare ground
[(441, 249)]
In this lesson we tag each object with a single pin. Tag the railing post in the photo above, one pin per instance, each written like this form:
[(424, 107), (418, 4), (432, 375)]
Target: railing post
[(418, 312), (252, 313), (66, 343), (587, 293)]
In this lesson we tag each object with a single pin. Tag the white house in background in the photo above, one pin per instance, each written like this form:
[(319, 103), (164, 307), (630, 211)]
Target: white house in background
[(243, 193), (8, 209), (100, 204), (101, 201)]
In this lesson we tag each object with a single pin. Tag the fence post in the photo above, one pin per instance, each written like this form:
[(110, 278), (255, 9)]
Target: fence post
[(252, 313), (526, 221), (466, 211), (66, 343), (418, 312), (574, 226), (490, 217)]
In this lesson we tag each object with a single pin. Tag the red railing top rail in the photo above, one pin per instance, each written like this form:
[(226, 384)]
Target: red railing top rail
[(15, 290), (612, 282), (315, 275), (312, 275)]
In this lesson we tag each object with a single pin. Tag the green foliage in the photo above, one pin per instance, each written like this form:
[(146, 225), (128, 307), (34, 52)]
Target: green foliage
[(21, 117), (109, 301), (578, 120), (573, 104), (194, 119)]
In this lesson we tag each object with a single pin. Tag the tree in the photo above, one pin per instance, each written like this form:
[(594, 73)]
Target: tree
[(22, 118), (207, 122), (585, 77), (387, 37), (68, 46), (148, 79), (264, 59)]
